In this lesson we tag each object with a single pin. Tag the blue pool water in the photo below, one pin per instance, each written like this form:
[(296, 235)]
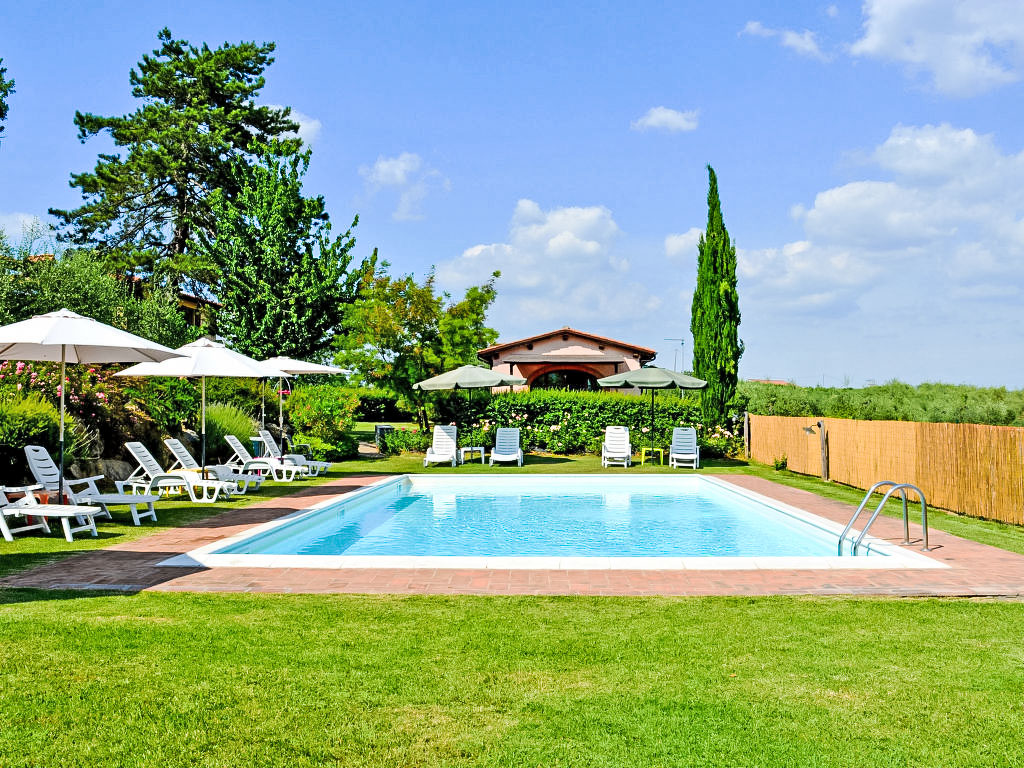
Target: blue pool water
[(546, 516)]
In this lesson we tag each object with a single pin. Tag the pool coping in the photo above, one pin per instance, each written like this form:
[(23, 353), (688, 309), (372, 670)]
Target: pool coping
[(890, 556)]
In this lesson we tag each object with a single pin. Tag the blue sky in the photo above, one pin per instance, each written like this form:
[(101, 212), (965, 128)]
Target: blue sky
[(870, 158)]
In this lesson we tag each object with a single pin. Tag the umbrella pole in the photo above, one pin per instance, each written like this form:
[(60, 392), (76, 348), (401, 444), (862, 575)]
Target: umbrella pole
[(60, 484), (203, 425), (263, 404), (652, 420), (280, 409)]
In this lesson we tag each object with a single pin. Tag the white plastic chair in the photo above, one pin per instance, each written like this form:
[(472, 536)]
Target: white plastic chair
[(506, 446), (684, 448), (224, 473), (445, 447), (243, 461), (616, 448), (45, 471), (308, 466), (149, 478), (29, 506)]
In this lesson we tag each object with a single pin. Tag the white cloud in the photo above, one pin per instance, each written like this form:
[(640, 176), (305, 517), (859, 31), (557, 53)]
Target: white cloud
[(309, 127), (832, 11), (953, 216), (558, 267), (803, 43), (410, 176), (964, 48), (665, 119), (683, 246)]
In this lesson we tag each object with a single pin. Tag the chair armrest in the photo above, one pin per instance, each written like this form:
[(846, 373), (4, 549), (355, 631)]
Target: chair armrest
[(24, 488), (93, 479)]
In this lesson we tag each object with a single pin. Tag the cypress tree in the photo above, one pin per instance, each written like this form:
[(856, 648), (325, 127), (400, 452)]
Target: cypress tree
[(715, 319)]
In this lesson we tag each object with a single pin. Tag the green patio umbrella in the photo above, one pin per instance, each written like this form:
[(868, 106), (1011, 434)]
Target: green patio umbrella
[(652, 377), (468, 377)]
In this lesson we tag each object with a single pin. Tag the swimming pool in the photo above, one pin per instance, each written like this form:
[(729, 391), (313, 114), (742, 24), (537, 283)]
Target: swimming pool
[(550, 521)]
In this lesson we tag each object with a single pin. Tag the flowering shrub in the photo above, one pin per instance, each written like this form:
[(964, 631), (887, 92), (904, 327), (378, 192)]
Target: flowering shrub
[(404, 439)]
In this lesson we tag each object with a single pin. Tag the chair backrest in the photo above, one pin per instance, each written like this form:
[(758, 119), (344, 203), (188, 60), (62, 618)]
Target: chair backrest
[(239, 449), (268, 440), (445, 439), (617, 438), (684, 440), (180, 452), (506, 440), (42, 467), (146, 460)]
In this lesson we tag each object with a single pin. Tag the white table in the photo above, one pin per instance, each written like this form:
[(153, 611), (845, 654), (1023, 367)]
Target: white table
[(471, 449)]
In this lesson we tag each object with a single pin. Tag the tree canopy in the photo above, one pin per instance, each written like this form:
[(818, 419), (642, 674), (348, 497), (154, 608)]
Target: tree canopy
[(6, 89), (400, 331), (715, 318), (286, 282), (144, 207)]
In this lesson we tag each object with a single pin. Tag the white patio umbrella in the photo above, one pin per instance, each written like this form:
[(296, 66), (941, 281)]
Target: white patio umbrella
[(296, 368), (203, 359), (72, 338)]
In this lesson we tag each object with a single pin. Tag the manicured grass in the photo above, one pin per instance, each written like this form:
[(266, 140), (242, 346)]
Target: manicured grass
[(197, 680), (27, 551)]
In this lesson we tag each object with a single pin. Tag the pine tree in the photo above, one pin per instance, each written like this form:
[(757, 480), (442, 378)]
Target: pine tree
[(286, 280), (6, 89), (145, 208), (715, 318)]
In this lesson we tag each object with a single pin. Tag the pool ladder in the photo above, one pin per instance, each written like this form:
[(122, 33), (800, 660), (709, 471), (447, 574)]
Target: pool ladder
[(902, 488)]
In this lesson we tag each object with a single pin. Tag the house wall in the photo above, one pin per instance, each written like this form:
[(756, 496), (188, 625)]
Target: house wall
[(565, 355)]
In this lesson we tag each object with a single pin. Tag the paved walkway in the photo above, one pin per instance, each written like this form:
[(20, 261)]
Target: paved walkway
[(976, 569)]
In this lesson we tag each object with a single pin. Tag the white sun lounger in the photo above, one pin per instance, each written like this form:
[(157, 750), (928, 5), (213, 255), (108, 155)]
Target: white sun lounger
[(185, 460), (444, 448), (29, 506), (243, 461), (616, 448), (83, 490), (506, 446), (684, 448), (308, 466), (149, 477)]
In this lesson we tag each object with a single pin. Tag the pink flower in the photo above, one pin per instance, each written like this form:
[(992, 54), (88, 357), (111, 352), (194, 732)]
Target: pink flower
[(19, 367)]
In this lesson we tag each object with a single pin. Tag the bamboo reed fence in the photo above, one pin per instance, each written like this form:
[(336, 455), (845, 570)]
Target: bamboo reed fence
[(974, 469)]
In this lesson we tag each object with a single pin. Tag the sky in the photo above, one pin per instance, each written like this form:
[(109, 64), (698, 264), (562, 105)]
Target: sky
[(870, 159)]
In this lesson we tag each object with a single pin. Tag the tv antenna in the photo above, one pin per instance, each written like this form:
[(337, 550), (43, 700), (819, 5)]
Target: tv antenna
[(677, 355)]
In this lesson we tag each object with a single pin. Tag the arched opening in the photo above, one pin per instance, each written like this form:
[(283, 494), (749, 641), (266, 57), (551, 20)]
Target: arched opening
[(566, 379)]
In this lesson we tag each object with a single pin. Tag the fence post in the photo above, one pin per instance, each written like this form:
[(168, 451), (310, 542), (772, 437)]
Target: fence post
[(746, 433), (824, 449)]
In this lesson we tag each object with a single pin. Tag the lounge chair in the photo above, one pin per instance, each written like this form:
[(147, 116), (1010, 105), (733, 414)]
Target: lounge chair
[(308, 466), (506, 446), (149, 477), (83, 490), (29, 506), (185, 460), (684, 448), (444, 448), (242, 461), (616, 448)]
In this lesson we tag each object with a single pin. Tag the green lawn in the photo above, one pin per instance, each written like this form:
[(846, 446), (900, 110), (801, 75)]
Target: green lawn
[(232, 680)]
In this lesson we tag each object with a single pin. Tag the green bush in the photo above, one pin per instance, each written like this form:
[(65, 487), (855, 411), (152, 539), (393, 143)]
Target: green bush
[(403, 439), (323, 415), (225, 419), (574, 422), (380, 405), (32, 420)]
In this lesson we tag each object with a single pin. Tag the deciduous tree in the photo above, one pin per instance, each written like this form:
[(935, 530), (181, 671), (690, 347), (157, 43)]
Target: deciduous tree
[(286, 280), (715, 318), (144, 206), (6, 89), (400, 331)]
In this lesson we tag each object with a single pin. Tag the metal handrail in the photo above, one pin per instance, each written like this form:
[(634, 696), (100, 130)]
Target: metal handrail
[(902, 488)]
